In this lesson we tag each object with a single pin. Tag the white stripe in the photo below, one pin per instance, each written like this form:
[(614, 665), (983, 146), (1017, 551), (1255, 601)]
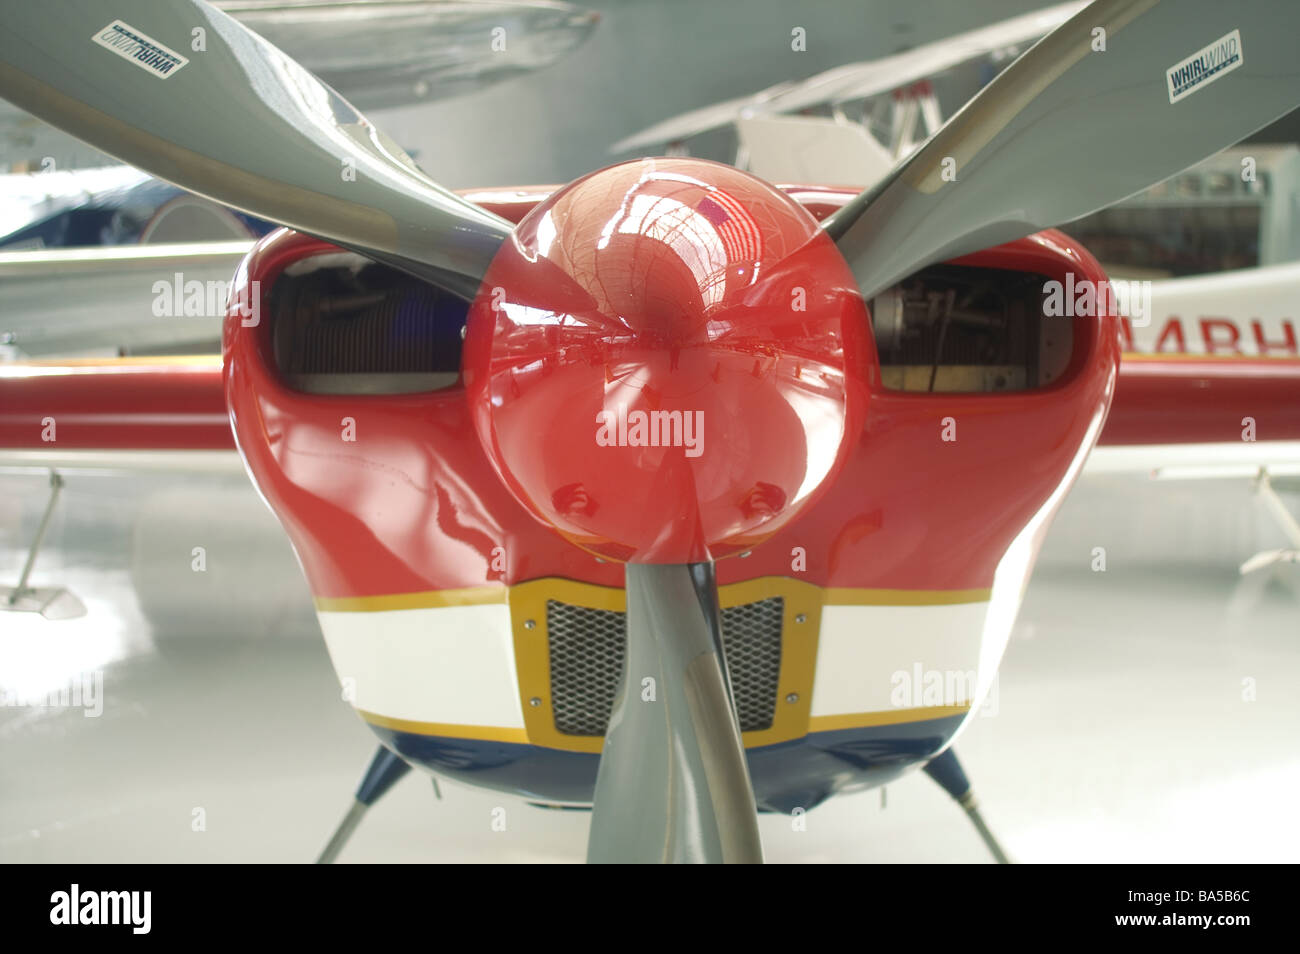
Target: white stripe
[(171, 461), (456, 664), (861, 648), (452, 664)]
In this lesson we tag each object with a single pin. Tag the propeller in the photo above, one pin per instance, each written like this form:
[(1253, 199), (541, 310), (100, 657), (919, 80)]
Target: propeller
[(1087, 117), (187, 93), (673, 784)]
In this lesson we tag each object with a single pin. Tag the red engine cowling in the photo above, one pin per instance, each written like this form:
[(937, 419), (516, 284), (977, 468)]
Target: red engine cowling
[(414, 502)]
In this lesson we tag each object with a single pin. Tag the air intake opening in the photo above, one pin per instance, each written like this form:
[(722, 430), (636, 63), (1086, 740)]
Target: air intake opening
[(958, 328), (345, 325)]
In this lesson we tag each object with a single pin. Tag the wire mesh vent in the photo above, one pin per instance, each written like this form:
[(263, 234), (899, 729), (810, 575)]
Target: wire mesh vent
[(586, 657)]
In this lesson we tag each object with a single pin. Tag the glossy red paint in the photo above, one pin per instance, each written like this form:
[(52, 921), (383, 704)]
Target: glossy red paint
[(411, 504), (1181, 400), (665, 362), (131, 404), (414, 504), (913, 511)]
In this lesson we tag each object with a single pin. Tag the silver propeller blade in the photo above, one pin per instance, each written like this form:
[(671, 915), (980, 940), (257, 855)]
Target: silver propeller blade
[(1068, 129), (241, 123), (673, 783)]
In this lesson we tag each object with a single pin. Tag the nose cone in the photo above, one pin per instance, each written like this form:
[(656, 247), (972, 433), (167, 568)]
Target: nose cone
[(666, 361)]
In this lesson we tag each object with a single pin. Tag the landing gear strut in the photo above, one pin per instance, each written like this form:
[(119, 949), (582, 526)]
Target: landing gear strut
[(386, 770), (947, 771), (52, 602)]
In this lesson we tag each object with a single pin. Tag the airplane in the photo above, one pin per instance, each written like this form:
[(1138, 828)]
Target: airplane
[(634, 494)]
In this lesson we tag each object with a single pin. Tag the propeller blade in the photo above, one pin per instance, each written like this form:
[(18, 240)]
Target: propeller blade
[(673, 783), (187, 93), (1070, 128)]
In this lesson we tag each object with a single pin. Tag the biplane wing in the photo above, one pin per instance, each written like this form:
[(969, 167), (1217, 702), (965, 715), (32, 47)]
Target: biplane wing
[(856, 80)]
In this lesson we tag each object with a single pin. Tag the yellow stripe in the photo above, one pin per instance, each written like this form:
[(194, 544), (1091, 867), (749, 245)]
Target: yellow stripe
[(862, 720), (851, 596), (481, 595), (428, 599), (1193, 356), (487, 733)]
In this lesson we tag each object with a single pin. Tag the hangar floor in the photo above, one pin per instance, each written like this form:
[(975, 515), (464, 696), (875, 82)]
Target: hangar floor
[(1124, 730)]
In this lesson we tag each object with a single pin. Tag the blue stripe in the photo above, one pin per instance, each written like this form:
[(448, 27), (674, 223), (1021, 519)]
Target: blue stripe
[(796, 774)]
